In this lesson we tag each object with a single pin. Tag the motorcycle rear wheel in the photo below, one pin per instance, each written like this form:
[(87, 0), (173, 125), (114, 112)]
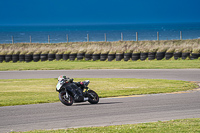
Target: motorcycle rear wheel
[(66, 101), (93, 97)]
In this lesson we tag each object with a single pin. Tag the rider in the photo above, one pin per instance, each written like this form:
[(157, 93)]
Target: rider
[(68, 80), (80, 85)]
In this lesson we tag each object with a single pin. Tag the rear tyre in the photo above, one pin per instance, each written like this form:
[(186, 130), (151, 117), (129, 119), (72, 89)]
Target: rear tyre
[(93, 98), (66, 101)]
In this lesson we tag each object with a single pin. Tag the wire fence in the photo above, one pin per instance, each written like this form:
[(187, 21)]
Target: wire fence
[(104, 38)]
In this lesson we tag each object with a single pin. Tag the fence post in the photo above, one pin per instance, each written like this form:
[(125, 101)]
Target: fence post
[(30, 40), (105, 37), (136, 36), (180, 35), (87, 37), (48, 39), (67, 38), (121, 36), (157, 36), (12, 39)]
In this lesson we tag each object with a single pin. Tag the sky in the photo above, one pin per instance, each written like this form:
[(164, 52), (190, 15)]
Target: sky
[(70, 12)]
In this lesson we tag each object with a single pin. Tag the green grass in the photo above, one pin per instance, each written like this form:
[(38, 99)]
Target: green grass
[(173, 126), (64, 65), (33, 91)]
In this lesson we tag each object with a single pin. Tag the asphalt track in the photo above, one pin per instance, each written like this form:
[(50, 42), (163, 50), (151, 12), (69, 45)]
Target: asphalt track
[(109, 111), (174, 74)]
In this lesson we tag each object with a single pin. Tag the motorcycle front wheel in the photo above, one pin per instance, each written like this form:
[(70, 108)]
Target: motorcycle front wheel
[(93, 97), (66, 101)]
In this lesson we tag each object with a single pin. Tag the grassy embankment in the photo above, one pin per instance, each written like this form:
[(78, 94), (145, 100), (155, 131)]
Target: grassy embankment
[(33, 91), (185, 46), (172, 46), (173, 126)]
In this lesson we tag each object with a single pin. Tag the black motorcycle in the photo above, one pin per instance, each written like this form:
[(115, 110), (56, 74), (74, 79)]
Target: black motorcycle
[(70, 92)]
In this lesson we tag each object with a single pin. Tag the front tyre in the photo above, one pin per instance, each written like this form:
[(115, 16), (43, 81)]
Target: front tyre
[(93, 97), (66, 101)]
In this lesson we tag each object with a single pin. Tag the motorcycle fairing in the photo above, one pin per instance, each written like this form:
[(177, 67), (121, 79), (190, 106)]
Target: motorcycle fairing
[(60, 84)]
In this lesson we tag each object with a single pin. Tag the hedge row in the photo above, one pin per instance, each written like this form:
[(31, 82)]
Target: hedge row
[(101, 57)]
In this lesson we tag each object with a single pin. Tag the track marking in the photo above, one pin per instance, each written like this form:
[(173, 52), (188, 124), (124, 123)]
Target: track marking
[(180, 92), (128, 96)]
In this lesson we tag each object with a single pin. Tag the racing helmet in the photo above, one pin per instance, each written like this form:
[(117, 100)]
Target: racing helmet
[(63, 77)]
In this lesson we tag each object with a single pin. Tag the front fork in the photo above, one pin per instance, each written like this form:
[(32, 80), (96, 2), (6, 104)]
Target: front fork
[(67, 95)]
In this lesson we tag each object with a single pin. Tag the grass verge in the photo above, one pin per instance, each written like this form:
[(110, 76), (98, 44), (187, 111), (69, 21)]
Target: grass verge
[(173, 126), (64, 65), (33, 91)]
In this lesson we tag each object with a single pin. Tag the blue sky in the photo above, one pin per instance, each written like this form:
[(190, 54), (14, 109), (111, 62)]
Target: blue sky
[(28, 12)]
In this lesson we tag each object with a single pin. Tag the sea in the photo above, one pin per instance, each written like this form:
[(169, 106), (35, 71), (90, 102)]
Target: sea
[(97, 32)]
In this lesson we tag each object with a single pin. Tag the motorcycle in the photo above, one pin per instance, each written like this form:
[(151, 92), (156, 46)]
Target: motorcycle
[(70, 92)]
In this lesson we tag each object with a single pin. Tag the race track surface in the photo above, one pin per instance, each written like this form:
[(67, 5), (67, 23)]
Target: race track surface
[(174, 74), (109, 111)]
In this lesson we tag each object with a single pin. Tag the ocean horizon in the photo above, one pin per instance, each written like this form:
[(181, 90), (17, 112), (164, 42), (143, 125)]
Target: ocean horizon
[(96, 32)]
